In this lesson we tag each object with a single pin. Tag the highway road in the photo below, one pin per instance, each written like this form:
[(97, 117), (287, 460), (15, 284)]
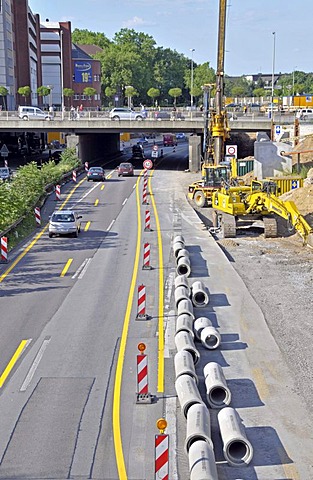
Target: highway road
[(69, 339)]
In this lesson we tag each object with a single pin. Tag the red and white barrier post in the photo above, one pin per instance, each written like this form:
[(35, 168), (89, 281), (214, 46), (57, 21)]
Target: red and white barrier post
[(4, 249), (58, 192), (161, 447), (146, 257), (74, 176), (144, 197), (143, 395), (147, 221), (141, 306), (86, 166), (37, 216)]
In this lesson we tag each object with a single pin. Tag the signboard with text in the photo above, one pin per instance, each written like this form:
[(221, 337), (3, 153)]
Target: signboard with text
[(82, 72)]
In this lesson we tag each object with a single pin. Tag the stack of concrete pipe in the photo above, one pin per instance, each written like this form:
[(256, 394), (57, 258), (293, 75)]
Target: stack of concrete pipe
[(183, 266)]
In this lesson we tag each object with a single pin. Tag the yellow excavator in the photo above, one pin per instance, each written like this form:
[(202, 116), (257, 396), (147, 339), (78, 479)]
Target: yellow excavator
[(256, 204)]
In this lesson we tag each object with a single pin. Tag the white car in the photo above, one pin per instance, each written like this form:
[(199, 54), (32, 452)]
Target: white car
[(125, 114), (305, 114), (33, 113), (64, 222)]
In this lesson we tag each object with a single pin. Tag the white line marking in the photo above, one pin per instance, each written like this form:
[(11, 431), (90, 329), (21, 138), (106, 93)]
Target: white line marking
[(124, 202), (87, 193), (80, 268), (134, 186), (111, 225), (35, 364), (84, 270)]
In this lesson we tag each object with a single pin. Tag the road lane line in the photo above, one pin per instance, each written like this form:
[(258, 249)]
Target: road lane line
[(67, 266), (102, 187), (260, 383), (18, 352), (86, 194), (111, 225), (82, 273), (35, 364), (118, 447), (161, 294), (124, 202), (87, 226), (80, 268), (96, 202)]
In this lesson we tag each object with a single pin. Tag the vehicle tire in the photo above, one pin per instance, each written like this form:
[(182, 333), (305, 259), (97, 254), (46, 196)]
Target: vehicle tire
[(305, 117), (75, 234), (200, 199), (139, 118), (116, 118), (50, 235), (25, 117)]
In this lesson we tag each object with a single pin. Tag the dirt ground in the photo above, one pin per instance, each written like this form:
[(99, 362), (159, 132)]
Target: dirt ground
[(279, 275)]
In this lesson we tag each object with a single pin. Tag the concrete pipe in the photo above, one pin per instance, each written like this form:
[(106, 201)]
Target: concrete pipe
[(198, 426), (184, 341), (237, 449), (182, 253), (217, 391), (199, 294), (183, 266), (179, 238), (199, 324), (180, 293), (185, 306), (202, 464), (210, 338), (183, 363), (182, 281), (184, 323), (187, 392), (177, 247)]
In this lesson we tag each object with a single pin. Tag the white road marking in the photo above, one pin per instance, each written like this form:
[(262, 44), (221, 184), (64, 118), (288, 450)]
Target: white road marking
[(124, 202), (111, 224), (84, 270), (35, 364), (87, 193), (80, 268)]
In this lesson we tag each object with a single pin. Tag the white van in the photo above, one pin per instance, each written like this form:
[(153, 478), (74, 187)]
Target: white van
[(305, 114), (32, 113)]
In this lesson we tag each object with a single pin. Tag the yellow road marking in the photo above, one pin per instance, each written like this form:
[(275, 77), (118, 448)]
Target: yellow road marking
[(262, 386), (120, 461), (67, 266), (161, 296), (87, 226), (102, 187), (12, 362), (96, 202), (291, 472)]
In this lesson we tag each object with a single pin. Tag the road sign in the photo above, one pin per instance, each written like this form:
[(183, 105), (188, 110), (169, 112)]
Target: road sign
[(154, 154), (147, 164), (155, 148), (277, 129), (4, 151), (295, 184), (231, 150)]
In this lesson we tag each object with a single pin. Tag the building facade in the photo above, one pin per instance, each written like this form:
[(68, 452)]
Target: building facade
[(7, 54)]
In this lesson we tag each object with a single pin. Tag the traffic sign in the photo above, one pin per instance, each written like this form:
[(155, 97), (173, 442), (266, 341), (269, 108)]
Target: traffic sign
[(155, 148), (231, 150), (154, 154), (277, 129), (4, 151), (147, 164), (295, 184)]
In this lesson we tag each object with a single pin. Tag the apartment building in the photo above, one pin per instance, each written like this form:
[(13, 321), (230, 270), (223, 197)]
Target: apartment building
[(7, 54)]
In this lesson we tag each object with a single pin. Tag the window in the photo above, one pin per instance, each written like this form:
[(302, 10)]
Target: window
[(76, 96), (83, 97)]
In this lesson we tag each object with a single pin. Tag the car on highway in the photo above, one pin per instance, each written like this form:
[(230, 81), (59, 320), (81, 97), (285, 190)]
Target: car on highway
[(96, 174), (125, 168), (305, 114), (64, 222), (5, 173), (125, 114), (33, 113), (180, 136)]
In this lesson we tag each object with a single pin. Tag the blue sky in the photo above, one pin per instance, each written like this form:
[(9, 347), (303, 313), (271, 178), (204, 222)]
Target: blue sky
[(192, 24)]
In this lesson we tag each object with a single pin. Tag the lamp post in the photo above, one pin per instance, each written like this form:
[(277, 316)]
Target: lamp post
[(273, 73), (61, 73), (191, 80), (293, 83)]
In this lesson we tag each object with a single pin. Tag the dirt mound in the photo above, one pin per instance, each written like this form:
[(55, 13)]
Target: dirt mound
[(305, 144), (302, 197)]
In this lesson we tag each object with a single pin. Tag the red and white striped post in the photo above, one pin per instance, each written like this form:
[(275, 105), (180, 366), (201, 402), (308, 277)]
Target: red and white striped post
[(161, 448), (144, 197), (74, 176), (5, 162), (141, 306), (86, 166), (147, 221), (145, 182), (37, 216), (143, 395), (58, 192), (146, 257), (4, 249)]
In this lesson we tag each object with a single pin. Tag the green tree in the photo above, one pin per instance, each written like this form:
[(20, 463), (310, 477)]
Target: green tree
[(68, 93), (3, 93), (43, 91), (153, 93), (130, 92), (175, 93), (259, 92), (24, 92), (89, 92), (85, 37)]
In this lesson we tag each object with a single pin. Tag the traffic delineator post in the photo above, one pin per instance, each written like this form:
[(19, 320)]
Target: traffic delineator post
[(161, 448), (74, 176), (146, 257), (147, 221), (58, 192), (4, 250), (141, 304), (37, 216), (144, 196), (143, 395), (86, 166)]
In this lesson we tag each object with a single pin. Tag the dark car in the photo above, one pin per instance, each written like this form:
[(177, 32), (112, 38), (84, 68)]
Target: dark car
[(96, 174), (138, 152), (162, 115), (125, 168), (5, 173)]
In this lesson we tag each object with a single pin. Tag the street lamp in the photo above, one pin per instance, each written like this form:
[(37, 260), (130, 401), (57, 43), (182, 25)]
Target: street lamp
[(273, 73), (191, 82), (61, 73), (293, 83)]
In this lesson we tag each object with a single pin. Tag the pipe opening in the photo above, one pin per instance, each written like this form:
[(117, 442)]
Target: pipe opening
[(199, 298), (194, 439), (188, 405), (238, 452), (218, 396), (194, 355), (211, 341), (182, 270)]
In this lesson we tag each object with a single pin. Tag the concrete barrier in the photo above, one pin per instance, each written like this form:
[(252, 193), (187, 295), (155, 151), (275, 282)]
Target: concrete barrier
[(185, 306), (237, 449), (183, 363), (198, 426), (217, 391), (187, 393), (202, 464), (184, 323), (199, 324), (177, 247), (183, 266), (180, 293), (184, 341), (210, 338), (182, 281), (199, 294)]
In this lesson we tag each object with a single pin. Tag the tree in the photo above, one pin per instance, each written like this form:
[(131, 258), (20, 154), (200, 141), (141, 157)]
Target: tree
[(153, 93), (85, 37), (130, 92), (3, 93), (25, 92), (43, 91), (175, 93), (68, 93), (259, 92), (89, 92)]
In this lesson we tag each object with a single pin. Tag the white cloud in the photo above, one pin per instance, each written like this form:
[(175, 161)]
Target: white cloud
[(135, 22)]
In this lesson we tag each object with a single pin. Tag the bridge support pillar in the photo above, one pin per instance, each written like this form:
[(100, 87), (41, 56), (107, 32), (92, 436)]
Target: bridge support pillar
[(194, 153), (94, 146)]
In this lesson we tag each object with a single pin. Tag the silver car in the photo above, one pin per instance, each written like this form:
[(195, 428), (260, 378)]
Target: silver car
[(64, 222), (125, 114)]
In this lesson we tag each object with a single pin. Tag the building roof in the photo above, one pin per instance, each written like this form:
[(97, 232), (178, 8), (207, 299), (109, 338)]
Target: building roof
[(78, 53), (90, 49)]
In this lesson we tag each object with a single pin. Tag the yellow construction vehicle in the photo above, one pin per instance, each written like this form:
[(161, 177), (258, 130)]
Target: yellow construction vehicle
[(250, 205)]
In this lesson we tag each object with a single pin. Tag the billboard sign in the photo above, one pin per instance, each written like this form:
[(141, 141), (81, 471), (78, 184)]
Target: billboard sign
[(82, 72)]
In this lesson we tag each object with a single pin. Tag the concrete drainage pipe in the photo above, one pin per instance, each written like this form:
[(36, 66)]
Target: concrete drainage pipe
[(187, 392), (182, 253), (183, 266), (217, 391), (237, 449), (180, 293), (182, 281), (199, 294), (185, 306), (184, 323), (177, 247), (198, 426), (199, 324), (183, 363), (210, 338), (179, 238), (184, 341), (202, 464)]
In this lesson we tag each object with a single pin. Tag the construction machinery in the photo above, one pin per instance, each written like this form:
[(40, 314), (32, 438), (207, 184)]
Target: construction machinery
[(257, 204)]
